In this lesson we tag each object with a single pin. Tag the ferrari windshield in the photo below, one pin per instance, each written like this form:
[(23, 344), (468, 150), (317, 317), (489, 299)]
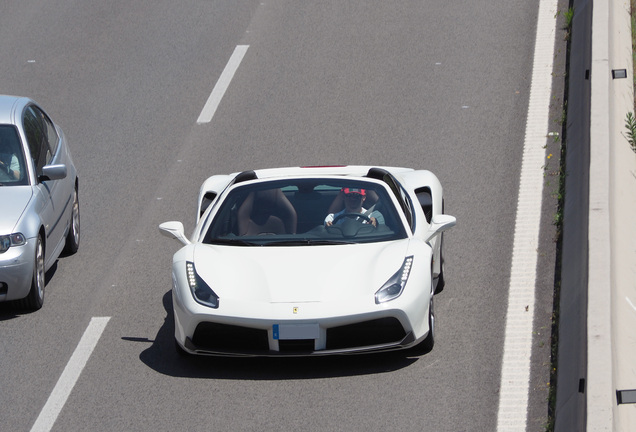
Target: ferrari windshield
[(306, 212)]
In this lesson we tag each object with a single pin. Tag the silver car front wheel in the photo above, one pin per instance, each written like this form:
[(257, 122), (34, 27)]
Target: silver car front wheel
[(73, 236), (35, 299)]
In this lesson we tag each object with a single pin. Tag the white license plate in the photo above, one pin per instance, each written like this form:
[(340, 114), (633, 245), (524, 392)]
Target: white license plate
[(296, 331)]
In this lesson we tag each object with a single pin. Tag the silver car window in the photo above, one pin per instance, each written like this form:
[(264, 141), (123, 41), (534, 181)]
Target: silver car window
[(41, 136), (11, 158)]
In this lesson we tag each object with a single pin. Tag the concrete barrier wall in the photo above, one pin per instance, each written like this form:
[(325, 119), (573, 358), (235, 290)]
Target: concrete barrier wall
[(621, 274)]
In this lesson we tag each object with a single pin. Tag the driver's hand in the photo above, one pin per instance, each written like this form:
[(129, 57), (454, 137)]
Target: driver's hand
[(328, 223), (373, 222)]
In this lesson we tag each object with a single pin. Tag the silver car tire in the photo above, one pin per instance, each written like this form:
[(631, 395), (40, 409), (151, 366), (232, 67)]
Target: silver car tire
[(73, 236), (35, 299)]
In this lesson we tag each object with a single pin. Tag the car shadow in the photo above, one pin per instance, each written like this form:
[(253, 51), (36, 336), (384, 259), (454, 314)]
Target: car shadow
[(162, 357), (8, 311)]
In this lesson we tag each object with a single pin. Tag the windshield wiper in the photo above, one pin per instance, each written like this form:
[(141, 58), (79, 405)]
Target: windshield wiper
[(308, 242), (231, 242)]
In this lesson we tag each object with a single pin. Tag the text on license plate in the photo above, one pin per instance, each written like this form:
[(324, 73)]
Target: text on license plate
[(296, 331)]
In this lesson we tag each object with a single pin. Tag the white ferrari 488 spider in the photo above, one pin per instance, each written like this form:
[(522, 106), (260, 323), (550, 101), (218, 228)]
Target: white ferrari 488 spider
[(310, 261)]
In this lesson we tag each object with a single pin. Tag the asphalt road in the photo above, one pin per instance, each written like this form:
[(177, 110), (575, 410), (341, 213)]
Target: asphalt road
[(437, 85)]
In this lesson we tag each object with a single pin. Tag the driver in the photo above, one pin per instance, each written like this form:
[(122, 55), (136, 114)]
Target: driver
[(9, 161), (353, 199)]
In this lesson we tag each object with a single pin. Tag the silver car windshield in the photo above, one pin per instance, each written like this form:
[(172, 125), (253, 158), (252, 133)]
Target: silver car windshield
[(306, 212), (12, 168)]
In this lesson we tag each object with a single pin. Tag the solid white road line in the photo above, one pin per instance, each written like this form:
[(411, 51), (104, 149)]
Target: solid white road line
[(70, 375), (222, 84), (515, 369)]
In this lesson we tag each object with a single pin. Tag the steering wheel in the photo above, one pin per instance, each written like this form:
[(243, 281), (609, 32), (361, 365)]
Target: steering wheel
[(352, 216)]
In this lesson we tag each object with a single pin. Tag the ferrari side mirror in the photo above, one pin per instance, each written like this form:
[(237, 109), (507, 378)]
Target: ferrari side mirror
[(439, 224), (174, 230)]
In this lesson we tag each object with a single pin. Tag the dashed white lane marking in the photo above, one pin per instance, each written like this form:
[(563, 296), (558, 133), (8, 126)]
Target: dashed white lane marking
[(70, 375), (515, 369), (222, 84)]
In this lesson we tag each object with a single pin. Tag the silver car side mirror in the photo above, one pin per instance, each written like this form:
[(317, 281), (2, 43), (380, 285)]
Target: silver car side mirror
[(53, 172)]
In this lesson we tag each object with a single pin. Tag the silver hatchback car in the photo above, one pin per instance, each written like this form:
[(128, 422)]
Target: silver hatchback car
[(39, 206)]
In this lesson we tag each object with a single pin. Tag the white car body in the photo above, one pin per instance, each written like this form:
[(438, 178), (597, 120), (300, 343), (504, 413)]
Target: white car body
[(311, 295)]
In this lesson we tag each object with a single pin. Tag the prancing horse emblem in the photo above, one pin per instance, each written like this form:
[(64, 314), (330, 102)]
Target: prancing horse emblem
[(295, 309)]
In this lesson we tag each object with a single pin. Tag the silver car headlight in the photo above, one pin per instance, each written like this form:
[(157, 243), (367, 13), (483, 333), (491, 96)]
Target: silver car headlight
[(393, 288), (201, 292), (6, 241)]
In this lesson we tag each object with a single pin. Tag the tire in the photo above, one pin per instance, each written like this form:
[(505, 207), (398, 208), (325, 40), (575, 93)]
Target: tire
[(35, 299), (439, 281), (439, 286), (73, 236), (429, 342)]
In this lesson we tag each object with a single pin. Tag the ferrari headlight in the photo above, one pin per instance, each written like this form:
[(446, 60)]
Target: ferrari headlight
[(201, 292), (395, 285), (6, 241)]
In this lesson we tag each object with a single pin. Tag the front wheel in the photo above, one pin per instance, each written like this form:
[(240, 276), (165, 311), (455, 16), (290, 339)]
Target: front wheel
[(35, 299), (427, 344), (439, 281), (73, 236)]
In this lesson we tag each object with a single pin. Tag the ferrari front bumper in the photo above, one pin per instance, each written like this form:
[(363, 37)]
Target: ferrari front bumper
[(365, 332)]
